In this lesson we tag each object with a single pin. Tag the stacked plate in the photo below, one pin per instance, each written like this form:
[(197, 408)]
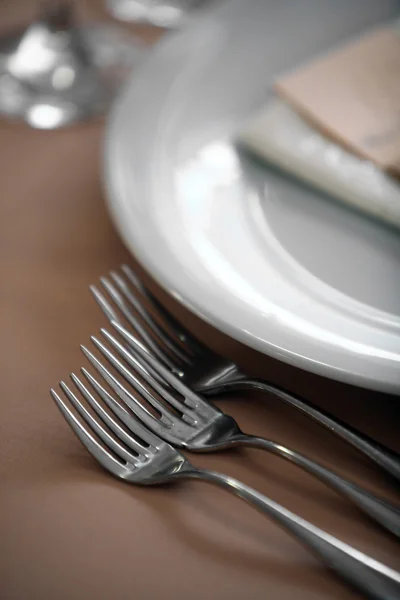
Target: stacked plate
[(272, 263)]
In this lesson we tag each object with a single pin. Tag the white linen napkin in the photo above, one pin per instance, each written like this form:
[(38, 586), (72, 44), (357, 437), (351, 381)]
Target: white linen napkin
[(282, 137)]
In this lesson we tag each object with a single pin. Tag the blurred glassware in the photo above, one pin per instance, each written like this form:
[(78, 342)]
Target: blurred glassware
[(168, 14), (54, 72)]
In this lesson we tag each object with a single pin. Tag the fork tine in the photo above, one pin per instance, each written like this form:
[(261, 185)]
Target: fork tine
[(169, 377), (85, 435), (135, 281), (95, 425), (131, 422), (134, 362), (130, 317), (104, 305), (155, 424), (129, 376), (106, 417), (147, 373), (188, 339), (179, 351)]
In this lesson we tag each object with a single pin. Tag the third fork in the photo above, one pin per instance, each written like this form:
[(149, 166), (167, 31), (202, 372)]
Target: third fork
[(144, 459)]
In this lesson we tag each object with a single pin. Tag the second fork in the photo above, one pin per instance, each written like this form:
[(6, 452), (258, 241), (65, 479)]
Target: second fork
[(191, 422)]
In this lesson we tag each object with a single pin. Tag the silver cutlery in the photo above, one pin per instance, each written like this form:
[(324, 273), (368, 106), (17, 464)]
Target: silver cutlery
[(193, 423), (205, 371), (144, 459)]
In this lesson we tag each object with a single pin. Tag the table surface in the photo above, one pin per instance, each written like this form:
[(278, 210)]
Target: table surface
[(68, 529)]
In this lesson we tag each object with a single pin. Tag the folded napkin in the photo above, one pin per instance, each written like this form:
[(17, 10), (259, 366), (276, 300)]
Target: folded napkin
[(279, 134)]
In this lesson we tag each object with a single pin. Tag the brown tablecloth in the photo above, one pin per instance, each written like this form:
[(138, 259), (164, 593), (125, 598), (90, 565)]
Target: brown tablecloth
[(68, 530)]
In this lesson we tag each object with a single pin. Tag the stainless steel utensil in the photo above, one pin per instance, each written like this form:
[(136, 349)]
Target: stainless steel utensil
[(144, 459), (205, 371), (193, 423)]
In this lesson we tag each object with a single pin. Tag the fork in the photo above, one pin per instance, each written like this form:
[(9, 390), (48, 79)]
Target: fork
[(207, 372), (144, 459), (193, 423)]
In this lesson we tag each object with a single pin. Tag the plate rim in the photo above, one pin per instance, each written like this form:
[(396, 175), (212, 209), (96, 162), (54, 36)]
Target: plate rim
[(111, 154)]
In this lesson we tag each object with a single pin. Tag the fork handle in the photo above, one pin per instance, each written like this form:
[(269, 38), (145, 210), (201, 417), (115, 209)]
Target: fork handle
[(371, 577), (381, 511), (387, 459)]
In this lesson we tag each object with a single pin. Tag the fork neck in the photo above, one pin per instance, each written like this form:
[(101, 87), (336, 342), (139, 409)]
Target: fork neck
[(214, 377)]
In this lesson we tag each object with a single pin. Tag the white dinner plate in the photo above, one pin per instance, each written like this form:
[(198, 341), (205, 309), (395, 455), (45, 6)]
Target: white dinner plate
[(274, 264)]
